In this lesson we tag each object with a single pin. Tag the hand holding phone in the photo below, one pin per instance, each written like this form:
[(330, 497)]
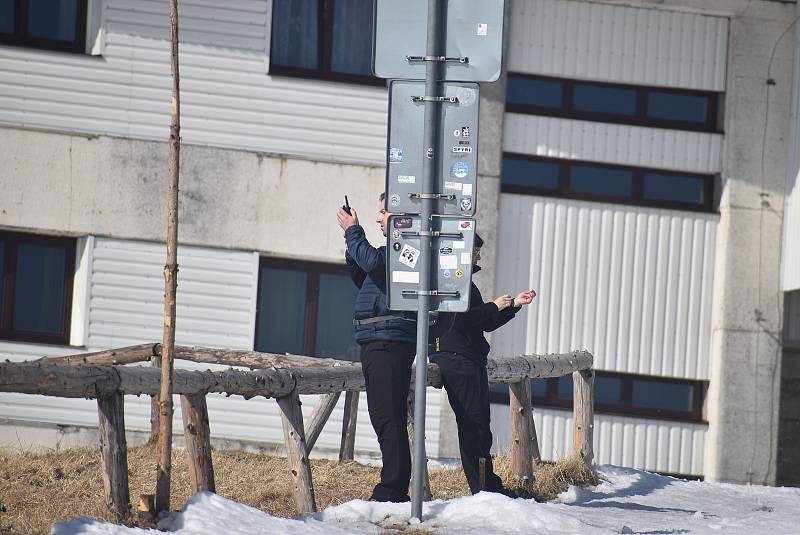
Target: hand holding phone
[(346, 206)]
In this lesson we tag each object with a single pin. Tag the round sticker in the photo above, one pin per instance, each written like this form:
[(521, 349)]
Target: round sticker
[(446, 273), (394, 200), (457, 132), (466, 204), (460, 169), (459, 273), (396, 234), (396, 246)]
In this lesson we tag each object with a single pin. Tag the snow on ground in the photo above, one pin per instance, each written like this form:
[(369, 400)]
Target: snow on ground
[(626, 501)]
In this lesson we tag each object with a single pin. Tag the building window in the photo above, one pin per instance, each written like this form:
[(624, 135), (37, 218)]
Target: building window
[(620, 393), (325, 39), (48, 24), (613, 103), (305, 308), (36, 287), (537, 175)]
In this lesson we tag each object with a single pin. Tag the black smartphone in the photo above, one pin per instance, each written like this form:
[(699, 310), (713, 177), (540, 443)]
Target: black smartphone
[(346, 206)]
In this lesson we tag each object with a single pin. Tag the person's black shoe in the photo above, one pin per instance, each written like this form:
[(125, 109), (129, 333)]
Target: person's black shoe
[(385, 494)]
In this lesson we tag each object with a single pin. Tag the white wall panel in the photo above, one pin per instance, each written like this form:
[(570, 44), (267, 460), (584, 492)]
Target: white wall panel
[(677, 150), (790, 276), (656, 445), (227, 97), (632, 285), (647, 46)]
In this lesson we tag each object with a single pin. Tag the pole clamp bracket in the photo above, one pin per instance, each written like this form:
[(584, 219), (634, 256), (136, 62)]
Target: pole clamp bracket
[(434, 196), (446, 59), (451, 100), (432, 293)]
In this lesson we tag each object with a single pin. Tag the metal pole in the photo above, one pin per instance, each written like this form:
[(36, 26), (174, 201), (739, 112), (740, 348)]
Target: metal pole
[(432, 70)]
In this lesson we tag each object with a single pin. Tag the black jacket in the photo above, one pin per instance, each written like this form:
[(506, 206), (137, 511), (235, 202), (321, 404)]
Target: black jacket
[(465, 334)]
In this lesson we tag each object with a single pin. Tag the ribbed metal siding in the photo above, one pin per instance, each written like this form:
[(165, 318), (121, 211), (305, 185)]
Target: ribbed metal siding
[(227, 97), (632, 285), (656, 445), (637, 45), (791, 218), (697, 152)]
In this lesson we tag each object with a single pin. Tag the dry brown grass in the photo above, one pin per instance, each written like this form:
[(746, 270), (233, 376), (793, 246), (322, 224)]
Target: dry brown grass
[(37, 489)]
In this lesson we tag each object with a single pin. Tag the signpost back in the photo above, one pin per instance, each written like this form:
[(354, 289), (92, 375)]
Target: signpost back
[(473, 30), (451, 262), (457, 147)]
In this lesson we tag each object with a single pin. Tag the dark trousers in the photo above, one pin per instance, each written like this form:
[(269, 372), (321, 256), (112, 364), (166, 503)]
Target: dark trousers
[(387, 373), (467, 387)]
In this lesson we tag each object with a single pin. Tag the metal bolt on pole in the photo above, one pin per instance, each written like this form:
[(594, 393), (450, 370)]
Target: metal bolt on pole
[(432, 85)]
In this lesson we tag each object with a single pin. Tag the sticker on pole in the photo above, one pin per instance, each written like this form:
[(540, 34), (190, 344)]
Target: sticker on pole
[(460, 169)]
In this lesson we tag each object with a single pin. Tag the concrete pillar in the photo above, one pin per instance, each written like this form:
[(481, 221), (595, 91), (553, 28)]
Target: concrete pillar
[(744, 395)]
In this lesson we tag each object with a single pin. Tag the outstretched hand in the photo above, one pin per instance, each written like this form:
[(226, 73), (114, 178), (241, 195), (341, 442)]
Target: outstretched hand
[(347, 220), (504, 301), (524, 298)]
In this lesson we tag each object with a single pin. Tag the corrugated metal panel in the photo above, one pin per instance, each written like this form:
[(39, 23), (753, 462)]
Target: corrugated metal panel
[(632, 285), (697, 152), (636, 45), (215, 302), (227, 97), (791, 218), (656, 445)]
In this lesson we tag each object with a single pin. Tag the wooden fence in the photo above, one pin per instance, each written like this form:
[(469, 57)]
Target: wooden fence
[(103, 376)]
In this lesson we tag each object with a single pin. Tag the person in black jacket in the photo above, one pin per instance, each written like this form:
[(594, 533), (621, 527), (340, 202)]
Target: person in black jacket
[(388, 346), (461, 355)]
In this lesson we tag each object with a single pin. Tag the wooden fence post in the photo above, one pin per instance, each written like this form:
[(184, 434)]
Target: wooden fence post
[(198, 441), (114, 453), (522, 432), (583, 415), (349, 425), (296, 453), (154, 406), (322, 411)]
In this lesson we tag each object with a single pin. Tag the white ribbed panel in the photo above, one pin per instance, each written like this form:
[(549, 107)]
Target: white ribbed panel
[(632, 285), (227, 97), (697, 152), (618, 43), (656, 445), (791, 219)]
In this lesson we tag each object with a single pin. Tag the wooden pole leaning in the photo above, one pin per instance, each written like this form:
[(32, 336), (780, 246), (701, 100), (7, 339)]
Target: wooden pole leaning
[(583, 416), (198, 441), (522, 430), (114, 454), (297, 452), (349, 425)]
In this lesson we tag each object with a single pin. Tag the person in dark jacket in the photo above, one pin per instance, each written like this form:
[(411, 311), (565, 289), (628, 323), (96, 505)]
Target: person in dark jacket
[(388, 346), (461, 355)]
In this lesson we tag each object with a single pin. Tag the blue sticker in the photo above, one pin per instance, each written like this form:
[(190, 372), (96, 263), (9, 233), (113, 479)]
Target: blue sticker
[(446, 274), (460, 169), (395, 154)]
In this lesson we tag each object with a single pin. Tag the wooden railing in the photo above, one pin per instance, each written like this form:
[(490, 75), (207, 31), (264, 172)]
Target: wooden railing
[(103, 376)]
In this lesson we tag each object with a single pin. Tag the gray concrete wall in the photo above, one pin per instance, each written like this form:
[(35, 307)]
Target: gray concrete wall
[(744, 398)]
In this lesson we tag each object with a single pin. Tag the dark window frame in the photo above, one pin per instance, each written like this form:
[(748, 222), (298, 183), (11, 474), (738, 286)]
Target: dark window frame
[(637, 197), (21, 38), (640, 118), (625, 407), (313, 270), (324, 72), (8, 272)]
